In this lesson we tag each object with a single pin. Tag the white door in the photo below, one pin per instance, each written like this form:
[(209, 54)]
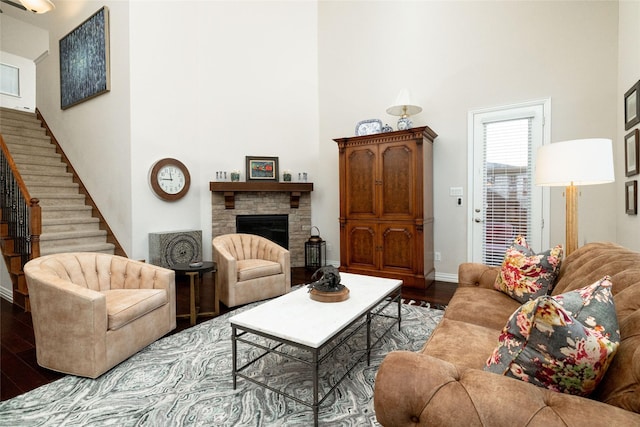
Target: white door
[(505, 202)]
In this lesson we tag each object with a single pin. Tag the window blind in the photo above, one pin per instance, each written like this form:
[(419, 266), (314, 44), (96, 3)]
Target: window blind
[(507, 179)]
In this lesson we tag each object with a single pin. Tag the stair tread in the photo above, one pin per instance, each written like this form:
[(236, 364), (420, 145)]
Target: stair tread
[(75, 234), (66, 208), (49, 184), (45, 173), (79, 248), (62, 221), (56, 196)]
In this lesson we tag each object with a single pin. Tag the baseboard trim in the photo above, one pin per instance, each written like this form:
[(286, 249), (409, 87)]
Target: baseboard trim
[(440, 277), (446, 277), (6, 294)]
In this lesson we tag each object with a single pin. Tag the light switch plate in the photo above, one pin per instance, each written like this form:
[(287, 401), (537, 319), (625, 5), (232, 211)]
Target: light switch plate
[(455, 191)]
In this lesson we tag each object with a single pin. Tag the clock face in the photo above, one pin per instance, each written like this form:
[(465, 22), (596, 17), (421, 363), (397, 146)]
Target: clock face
[(170, 179)]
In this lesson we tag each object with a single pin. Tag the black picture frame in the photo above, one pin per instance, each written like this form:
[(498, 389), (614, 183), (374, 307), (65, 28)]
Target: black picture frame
[(631, 152), (632, 106), (631, 197), (262, 168), (84, 60)]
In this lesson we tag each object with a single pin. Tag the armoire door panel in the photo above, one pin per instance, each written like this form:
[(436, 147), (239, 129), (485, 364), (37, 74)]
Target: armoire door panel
[(398, 180), (362, 248), (398, 244), (361, 182)]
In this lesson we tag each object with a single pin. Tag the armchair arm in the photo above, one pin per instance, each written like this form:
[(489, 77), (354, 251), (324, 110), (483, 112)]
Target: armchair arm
[(68, 320), (284, 259), (416, 389), (226, 265), (471, 274)]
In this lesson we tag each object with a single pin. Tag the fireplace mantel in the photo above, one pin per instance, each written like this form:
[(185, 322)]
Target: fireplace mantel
[(231, 188)]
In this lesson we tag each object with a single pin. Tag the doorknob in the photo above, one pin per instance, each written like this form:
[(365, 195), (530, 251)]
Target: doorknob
[(478, 220), (477, 210)]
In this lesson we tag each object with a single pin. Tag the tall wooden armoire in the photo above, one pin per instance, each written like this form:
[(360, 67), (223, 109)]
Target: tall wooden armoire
[(386, 205)]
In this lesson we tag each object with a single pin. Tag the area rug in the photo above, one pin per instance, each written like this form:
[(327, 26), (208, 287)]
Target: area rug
[(185, 380)]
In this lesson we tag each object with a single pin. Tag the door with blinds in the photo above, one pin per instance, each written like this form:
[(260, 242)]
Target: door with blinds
[(505, 201)]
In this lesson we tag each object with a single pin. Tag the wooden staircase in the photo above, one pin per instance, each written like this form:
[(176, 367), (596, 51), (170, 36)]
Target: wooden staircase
[(70, 220)]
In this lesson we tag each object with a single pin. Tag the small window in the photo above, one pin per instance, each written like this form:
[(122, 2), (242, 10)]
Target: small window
[(9, 80)]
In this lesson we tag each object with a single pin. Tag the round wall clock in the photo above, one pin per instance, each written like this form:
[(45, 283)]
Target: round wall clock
[(170, 179)]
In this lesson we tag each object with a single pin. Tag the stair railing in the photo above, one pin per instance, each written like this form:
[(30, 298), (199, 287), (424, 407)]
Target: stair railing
[(20, 212)]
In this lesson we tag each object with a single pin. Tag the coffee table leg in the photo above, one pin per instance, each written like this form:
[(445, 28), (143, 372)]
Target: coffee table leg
[(369, 339), (399, 305), (233, 355), (315, 387)]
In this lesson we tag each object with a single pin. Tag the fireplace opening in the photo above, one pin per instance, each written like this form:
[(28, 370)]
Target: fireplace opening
[(273, 227)]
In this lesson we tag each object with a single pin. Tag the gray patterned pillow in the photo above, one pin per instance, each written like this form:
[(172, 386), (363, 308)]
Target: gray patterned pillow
[(564, 343)]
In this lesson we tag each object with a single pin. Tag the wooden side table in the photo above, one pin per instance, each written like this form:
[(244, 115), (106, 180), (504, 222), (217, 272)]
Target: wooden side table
[(195, 278)]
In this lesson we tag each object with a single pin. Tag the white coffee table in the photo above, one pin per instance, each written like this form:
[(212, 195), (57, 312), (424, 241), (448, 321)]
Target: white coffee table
[(298, 321)]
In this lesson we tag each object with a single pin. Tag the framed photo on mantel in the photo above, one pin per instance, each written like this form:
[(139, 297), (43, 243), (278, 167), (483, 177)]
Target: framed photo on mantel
[(262, 168)]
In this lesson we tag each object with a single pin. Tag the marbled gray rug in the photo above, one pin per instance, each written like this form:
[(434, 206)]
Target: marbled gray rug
[(185, 380)]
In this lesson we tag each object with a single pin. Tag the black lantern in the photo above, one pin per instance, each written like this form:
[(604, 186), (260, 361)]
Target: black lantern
[(315, 251)]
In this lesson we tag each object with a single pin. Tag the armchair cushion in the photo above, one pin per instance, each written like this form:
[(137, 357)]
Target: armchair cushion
[(125, 305), (253, 268), (526, 275)]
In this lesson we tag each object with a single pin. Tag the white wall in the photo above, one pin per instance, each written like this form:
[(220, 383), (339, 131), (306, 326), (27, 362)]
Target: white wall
[(211, 82), (628, 226), (95, 134), (26, 100), (460, 56), (22, 38), (20, 45), (224, 80)]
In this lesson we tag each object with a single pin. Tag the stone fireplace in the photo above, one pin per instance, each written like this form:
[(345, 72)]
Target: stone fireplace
[(232, 199)]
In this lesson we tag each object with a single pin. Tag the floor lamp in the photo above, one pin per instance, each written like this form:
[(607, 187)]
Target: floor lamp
[(572, 163)]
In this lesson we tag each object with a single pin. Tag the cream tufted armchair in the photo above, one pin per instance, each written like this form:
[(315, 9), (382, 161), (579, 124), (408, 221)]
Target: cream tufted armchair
[(91, 311), (250, 268)]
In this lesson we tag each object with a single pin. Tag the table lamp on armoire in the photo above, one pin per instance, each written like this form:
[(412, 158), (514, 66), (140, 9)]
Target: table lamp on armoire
[(571, 164)]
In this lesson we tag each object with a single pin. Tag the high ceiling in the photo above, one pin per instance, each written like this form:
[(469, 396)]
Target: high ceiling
[(37, 20)]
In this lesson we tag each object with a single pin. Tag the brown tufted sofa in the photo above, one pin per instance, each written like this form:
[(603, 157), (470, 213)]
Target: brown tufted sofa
[(91, 311), (444, 384)]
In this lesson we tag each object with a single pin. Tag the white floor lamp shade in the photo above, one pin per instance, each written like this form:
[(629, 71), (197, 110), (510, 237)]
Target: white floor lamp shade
[(572, 163)]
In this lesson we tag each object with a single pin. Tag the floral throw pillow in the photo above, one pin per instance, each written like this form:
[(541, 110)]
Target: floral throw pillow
[(525, 275), (564, 343)]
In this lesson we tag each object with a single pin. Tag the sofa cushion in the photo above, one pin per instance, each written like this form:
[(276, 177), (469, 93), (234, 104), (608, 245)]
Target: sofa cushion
[(253, 268), (467, 303), (126, 305), (564, 343), (525, 275), (452, 335)]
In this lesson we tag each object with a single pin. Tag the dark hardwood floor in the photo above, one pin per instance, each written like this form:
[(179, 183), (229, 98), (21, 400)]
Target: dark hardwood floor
[(20, 371)]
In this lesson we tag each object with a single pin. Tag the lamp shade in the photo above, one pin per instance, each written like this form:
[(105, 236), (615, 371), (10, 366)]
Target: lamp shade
[(404, 104), (577, 162), (38, 6)]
